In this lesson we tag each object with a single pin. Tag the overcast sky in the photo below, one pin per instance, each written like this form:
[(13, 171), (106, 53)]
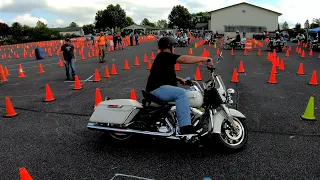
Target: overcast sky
[(61, 12)]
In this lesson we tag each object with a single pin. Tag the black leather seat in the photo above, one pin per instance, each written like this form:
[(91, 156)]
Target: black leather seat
[(151, 98)]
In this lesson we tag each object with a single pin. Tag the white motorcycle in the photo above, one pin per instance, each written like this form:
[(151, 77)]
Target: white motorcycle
[(122, 118)]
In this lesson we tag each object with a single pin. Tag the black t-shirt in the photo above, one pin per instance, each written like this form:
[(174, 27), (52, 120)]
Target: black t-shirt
[(162, 71), (67, 51)]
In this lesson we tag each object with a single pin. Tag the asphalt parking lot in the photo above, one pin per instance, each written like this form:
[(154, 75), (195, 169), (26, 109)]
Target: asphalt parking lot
[(51, 139)]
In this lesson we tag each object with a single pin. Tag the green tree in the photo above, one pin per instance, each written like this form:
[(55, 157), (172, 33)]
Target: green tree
[(88, 29), (306, 24), (297, 27), (73, 24), (313, 25), (111, 17), (146, 22), (129, 21), (316, 20), (4, 29), (285, 26), (41, 25), (200, 17), (162, 24), (179, 16)]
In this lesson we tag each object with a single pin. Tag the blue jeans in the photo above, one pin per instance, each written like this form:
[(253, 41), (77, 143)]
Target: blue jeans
[(179, 95), (70, 65)]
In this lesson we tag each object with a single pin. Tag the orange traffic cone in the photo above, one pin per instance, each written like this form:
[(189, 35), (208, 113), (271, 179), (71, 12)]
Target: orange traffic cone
[(126, 65), (303, 54), (177, 67), (106, 73), (61, 63), (3, 76), (49, 96), (198, 74), (241, 67), (24, 175), (281, 67), (96, 76), (311, 52), (272, 79), (77, 84), (145, 58), (259, 52), (232, 52), (301, 69), (149, 65), (41, 69), (6, 72), (152, 56), (274, 68), (314, 79), (10, 112), (113, 70), (288, 53), (136, 61), (190, 51), (234, 78), (133, 95), (98, 98)]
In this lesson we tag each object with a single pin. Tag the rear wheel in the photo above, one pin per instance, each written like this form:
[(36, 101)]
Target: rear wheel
[(122, 136), (233, 138)]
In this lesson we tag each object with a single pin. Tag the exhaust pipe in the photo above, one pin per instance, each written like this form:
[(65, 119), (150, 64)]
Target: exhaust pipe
[(94, 127)]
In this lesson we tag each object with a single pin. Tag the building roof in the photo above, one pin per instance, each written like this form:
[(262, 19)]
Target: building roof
[(279, 14), (67, 29)]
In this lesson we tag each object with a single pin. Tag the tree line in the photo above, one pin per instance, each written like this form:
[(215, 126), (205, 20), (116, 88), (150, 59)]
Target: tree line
[(298, 27)]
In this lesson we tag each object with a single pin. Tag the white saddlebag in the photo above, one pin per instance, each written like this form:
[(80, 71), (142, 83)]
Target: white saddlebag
[(116, 111)]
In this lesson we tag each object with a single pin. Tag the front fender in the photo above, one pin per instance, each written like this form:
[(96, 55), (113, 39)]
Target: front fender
[(218, 119), (236, 113)]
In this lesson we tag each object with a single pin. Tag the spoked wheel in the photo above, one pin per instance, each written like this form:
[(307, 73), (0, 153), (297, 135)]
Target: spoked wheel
[(242, 46), (233, 138), (122, 136), (226, 46)]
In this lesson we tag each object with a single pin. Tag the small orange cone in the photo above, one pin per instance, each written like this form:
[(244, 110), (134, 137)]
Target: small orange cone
[(98, 98), (126, 65), (241, 67), (77, 84), (190, 51), (61, 63), (49, 96), (303, 54), (149, 65), (136, 61), (314, 79), (177, 67), (287, 53), (281, 67), (311, 52), (274, 68), (133, 95), (300, 70), (259, 52), (106, 73), (24, 175), (10, 112), (152, 56), (96, 76), (41, 69), (113, 70), (272, 79), (234, 78), (198, 74), (145, 58), (6, 72), (232, 52)]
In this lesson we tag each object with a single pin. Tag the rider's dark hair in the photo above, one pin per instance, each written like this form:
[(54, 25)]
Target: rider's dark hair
[(167, 42)]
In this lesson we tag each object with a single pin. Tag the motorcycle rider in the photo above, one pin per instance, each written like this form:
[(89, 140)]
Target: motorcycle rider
[(237, 39), (162, 81), (277, 35)]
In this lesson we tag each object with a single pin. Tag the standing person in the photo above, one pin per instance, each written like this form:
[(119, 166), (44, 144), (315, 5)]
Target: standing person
[(68, 56), (136, 37), (115, 40), (131, 38), (102, 42), (119, 39), (92, 38)]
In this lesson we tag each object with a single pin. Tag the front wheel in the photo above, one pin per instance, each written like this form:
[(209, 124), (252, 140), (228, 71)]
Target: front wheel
[(242, 46), (226, 46), (233, 138)]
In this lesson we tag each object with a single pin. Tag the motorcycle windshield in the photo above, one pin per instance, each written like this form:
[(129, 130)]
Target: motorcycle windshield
[(219, 82)]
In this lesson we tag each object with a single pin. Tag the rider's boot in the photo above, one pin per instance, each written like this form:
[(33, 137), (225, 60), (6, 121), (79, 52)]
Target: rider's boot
[(188, 130)]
